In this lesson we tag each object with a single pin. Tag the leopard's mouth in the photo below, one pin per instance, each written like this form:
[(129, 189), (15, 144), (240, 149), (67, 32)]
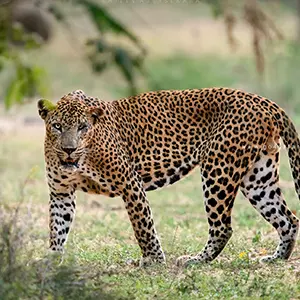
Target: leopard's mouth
[(69, 163)]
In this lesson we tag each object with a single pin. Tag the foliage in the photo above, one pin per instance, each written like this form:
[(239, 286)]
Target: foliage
[(101, 54), (29, 80), (262, 27)]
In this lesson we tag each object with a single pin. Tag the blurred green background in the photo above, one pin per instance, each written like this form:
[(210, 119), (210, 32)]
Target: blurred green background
[(116, 48)]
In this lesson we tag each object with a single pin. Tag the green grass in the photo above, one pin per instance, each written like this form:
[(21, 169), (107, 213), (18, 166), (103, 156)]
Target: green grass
[(183, 72), (101, 254)]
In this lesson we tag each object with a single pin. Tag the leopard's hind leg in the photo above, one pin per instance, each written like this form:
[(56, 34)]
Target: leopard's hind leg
[(221, 178), (261, 187)]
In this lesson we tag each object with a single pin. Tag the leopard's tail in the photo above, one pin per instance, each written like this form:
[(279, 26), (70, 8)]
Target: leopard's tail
[(291, 141)]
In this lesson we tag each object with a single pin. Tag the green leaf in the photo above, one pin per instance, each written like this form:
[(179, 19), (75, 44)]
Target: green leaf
[(100, 45), (23, 75), (126, 66), (33, 41), (105, 22), (99, 67), (216, 7), (28, 82), (257, 237), (13, 93), (1, 64), (39, 77), (17, 33), (138, 63)]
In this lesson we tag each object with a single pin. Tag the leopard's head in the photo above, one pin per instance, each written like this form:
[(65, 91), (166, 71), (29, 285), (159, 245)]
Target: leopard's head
[(68, 127)]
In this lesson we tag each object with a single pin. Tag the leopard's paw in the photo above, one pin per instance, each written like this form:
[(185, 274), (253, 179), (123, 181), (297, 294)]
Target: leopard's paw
[(268, 259), (148, 261)]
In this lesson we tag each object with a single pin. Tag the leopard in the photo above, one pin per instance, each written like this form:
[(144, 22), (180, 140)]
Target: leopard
[(141, 143)]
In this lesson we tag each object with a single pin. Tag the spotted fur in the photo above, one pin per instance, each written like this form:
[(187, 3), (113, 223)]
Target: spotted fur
[(137, 144)]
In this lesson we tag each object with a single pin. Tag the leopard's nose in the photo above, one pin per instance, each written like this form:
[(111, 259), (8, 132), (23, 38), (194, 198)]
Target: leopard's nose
[(69, 150)]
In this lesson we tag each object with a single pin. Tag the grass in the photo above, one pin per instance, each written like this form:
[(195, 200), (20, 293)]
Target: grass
[(101, 254)]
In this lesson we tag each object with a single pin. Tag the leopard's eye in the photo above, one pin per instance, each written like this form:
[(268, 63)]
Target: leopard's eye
[(82, 126), (57, 126)]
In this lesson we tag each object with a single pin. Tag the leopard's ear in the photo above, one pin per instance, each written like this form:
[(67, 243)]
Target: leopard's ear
[(44, 107), (95, 114)]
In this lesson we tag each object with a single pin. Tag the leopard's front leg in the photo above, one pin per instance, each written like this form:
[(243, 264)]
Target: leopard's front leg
[(62, 212), (141, 219)]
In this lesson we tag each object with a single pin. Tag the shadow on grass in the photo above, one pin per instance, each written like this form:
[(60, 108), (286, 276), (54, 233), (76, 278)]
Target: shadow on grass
[(24, 277)]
